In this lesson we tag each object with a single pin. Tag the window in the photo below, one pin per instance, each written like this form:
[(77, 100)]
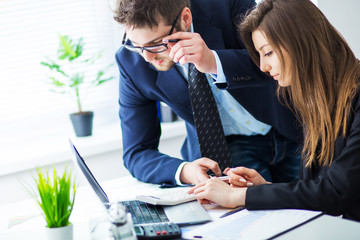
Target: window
[(34, 119)]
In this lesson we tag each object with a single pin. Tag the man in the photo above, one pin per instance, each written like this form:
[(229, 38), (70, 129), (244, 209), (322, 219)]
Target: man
[(163, 36)]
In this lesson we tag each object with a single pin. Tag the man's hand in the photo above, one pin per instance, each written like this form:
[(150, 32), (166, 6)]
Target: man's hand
[(192, 49), (195, 172)]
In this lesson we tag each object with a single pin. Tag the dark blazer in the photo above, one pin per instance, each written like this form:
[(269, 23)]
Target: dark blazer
[(334, 190), (141, 86)]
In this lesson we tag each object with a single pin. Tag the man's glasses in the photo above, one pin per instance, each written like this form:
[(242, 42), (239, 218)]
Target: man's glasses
[(152, 49)]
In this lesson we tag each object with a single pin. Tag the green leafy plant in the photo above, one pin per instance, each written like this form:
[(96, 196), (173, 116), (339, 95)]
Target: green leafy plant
[(67, 76), (55, 194)]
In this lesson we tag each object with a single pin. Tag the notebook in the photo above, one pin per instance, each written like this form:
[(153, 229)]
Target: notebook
[(183, 214)]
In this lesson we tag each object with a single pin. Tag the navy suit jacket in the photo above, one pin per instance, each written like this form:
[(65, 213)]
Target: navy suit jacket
[(141, 86), (333, 189)]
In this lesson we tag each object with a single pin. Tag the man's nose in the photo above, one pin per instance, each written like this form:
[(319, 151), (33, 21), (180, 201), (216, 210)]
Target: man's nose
[(148, 56)]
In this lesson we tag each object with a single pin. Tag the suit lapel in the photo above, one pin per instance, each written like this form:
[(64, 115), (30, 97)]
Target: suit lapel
[(170, 79), (174, 89)]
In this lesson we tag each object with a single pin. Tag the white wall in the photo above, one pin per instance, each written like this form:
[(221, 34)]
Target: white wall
[(345, 17)]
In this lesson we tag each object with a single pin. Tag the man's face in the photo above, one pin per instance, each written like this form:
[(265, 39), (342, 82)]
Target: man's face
[(145, 37)]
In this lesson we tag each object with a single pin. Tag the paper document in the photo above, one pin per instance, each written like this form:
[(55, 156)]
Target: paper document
[(251, 224), (172, 196)]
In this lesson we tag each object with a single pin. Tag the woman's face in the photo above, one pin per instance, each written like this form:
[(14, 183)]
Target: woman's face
[(270, 61)]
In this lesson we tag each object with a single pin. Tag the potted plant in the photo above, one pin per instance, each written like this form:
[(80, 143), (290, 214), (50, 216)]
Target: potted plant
[(68, 77), (55, 195)]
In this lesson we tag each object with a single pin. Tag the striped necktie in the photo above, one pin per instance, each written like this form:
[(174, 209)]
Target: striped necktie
[(209, 129)]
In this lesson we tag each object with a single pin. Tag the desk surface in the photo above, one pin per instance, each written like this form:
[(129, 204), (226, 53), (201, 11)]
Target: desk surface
[(325, 227), (22, 220)]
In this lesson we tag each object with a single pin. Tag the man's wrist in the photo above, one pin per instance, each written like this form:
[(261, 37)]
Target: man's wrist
[(219, 77), (178, 172)]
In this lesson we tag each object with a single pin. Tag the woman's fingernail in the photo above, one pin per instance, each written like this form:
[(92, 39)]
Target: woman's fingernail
[(242, 180), (249, 184)]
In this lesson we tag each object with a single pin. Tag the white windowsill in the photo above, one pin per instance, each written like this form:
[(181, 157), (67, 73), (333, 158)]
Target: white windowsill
[(54, 151)]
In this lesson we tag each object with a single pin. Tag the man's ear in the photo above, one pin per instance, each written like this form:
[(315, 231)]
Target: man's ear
[(186, 19)]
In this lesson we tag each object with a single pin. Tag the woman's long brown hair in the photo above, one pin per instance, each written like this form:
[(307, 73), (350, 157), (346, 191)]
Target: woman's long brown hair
[(324, 70)]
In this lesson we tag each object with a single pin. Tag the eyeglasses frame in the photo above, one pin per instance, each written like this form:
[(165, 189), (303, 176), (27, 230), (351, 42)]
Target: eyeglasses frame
[(136, 49)]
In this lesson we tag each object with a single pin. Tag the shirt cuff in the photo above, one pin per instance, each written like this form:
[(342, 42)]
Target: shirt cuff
[(177, 174), (220, 76)]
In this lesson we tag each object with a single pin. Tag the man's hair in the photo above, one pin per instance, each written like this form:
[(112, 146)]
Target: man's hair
[(324, 71), (148, 13)]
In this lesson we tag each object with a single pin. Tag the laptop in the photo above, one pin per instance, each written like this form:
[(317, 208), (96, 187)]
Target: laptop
[(183, 214)]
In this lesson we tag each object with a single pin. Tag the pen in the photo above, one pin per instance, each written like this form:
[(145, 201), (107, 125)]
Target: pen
[(235, 210), (223, 178)]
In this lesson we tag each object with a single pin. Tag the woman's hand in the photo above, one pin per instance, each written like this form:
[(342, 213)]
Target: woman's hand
[(217, 191), (244, 177)]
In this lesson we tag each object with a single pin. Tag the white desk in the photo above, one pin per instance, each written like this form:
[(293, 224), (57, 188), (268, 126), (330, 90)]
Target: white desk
[(87, 206), (325, 227)]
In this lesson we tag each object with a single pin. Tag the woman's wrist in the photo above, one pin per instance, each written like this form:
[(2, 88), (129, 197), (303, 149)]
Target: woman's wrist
[(239, 197)]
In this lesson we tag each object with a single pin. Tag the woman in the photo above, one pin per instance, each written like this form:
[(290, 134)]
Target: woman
[(293, 42)]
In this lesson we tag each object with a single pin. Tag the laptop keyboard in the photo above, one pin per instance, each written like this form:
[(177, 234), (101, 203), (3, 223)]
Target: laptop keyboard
[(145, 213)]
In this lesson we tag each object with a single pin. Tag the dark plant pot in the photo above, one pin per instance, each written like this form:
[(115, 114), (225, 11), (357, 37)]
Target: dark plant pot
[(82, 123)]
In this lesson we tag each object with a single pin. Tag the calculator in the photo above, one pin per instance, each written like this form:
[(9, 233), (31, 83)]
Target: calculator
[(166, 230)]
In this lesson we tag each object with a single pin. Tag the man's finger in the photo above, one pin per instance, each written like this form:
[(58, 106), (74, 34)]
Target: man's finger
[(178, 35), (212, 165)]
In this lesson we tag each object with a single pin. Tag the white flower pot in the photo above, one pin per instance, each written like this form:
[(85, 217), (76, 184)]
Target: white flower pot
[(60, 233)]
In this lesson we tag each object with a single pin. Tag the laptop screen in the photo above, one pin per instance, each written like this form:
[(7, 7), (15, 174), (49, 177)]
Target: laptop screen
[(79, 161)]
